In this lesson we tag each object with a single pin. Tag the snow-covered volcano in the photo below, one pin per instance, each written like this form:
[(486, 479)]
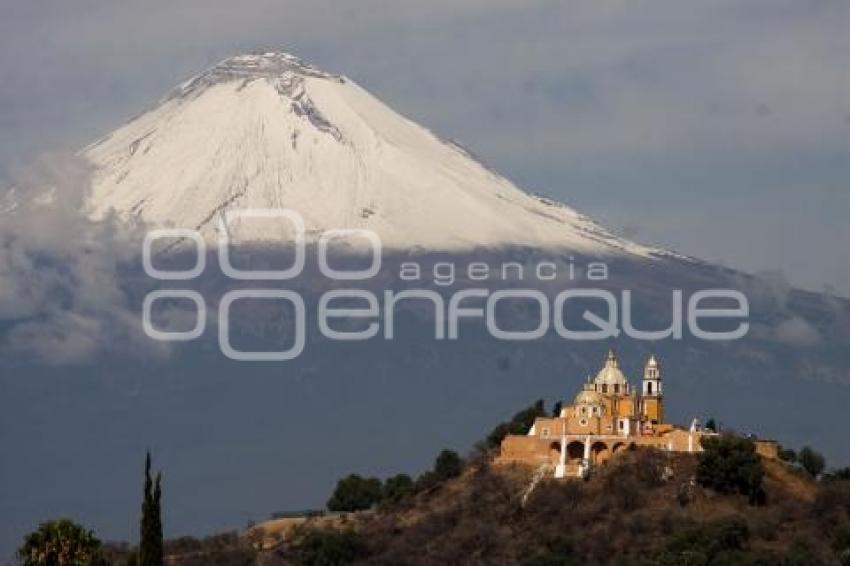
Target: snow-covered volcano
[(270, 131)]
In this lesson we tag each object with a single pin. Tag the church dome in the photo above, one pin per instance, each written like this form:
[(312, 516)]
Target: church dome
[(610, 374), (588, 397)]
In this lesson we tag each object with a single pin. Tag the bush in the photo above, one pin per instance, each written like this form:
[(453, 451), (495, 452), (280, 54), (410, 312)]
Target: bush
[(448, 465), (328, 547), (811, 461), (650, 466), (717, 540), (397, 488), (801, 552), (626, 479), (729, 464), (841, 474), (626, 493), (355, 493), (61, 542), (832, 503)]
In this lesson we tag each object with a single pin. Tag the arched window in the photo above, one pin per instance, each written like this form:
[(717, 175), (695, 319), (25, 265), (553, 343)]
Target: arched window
[(649, 387), (616, 388)]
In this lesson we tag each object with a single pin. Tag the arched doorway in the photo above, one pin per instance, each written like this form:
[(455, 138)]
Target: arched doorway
[(599, 453), (619, 447), (575, 452)]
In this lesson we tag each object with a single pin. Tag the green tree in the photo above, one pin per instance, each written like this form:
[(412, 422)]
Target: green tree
[(447, 465), (355, 493), (397, 488), (811, 461), (150, 540), (60, 543), (730, 464), (711, 425)]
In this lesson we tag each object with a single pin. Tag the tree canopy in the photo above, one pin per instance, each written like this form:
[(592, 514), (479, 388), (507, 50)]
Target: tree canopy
[(811, 461), (730, 464), (355, 493), (61, 542)]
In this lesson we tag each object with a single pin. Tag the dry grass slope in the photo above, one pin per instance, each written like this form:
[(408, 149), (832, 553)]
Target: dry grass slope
[(642, 508)]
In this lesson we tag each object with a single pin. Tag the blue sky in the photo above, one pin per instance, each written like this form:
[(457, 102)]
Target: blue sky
[(720, 129)]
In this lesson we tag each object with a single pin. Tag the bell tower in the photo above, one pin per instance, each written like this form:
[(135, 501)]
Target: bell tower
[(652, 392)]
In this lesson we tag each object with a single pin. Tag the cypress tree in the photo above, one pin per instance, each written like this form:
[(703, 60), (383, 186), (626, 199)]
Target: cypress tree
[(150, 539), (157, 517)]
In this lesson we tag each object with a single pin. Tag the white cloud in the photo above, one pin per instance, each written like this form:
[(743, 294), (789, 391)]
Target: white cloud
[(60, 296)]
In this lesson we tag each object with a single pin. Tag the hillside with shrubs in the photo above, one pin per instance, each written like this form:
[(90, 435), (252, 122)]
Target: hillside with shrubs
[(723, 506), (644, 507)]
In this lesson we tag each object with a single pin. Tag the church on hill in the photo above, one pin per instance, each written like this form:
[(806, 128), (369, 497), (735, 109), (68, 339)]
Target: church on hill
[(607, 417)]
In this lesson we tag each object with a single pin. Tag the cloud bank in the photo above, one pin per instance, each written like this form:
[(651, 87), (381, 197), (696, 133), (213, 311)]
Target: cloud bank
[(61, 300)]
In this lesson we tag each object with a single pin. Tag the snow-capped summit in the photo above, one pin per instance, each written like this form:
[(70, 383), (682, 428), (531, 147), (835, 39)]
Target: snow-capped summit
[(267, 130), (280, 68)]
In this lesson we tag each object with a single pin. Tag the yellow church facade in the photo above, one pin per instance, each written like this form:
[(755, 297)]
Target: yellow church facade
[(607, 416)]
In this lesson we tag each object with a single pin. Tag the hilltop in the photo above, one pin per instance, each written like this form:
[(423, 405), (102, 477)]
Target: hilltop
[(644, 507)]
